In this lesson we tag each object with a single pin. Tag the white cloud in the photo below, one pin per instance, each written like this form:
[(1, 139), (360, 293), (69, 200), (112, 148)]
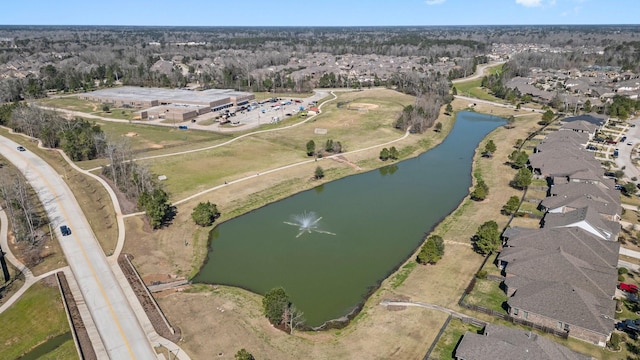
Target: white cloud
[(529, 3), (434, 2)]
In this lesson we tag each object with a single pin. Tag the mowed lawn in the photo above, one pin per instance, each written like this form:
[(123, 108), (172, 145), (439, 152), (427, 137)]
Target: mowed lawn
[(368, 122), (37, 316)]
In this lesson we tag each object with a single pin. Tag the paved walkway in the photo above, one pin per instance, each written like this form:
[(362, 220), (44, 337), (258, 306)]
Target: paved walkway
[(445, 310)]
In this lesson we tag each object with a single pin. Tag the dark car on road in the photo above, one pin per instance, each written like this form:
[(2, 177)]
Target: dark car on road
[(65, 230), (21, 148)]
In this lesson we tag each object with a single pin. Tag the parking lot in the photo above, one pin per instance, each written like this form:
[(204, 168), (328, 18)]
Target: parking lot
[(264, 112)]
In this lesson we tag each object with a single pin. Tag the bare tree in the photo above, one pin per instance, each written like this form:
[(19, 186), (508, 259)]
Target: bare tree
[(294, 318)]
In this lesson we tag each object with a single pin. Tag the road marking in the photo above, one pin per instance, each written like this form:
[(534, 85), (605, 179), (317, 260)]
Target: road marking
[(89, 263)]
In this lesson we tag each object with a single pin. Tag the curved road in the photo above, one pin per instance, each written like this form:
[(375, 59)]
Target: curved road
[(116, 322)]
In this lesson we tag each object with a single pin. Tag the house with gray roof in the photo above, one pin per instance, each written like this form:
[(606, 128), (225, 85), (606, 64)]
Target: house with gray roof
[(575, 195), (577, 165), (501, 342), (581, 126), (562, 278), (593, 118), (586, 218)]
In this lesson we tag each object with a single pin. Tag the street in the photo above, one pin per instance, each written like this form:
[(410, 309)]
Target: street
[(116, 322)]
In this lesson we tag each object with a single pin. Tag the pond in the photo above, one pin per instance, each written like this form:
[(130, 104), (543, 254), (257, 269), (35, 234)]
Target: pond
[(329, 246)]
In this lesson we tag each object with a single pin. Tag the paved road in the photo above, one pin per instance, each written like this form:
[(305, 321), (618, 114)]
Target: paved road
[(479, 72), (625, 151), (117, 324)]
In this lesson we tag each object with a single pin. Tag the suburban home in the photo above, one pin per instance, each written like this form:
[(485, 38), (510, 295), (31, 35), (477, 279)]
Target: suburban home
[(593, 118), (572, 196), (501, 342), (581, 126), (562, 278), (562, 139), (577, 165), (586, 218)]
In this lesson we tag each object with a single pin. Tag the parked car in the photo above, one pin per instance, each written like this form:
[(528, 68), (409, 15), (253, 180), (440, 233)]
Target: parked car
[(21, 148), (65, 230), (630, 143), (629, 326), (630, 288)]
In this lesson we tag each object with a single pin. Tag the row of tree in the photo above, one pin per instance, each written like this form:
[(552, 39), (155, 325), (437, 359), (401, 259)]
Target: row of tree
[(79, 138)]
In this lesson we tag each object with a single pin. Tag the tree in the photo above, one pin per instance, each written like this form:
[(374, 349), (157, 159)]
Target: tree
[(156, 205), (106, 108), (629, 188), (587, 106), (511, 206), (547, 117), (432, 250), (294, 318), (480, 192), (311, 147), (519, 143), (329, 145), (319, 173), (243, 354), (449, 109), (384, 154), (454, 91), (204, 214), (393, 153), (274, 303), (522, 179), (438, 127), (490, 148), (487, 238), (518, 159)]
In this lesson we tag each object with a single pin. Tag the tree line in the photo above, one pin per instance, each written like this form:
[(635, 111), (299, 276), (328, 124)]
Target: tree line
[(83, 140)]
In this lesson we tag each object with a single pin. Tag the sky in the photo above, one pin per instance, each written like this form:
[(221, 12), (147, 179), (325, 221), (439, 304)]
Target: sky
[(318, 13)]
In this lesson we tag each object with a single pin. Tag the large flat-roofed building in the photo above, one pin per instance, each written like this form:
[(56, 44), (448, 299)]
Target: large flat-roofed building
[(172, 104)]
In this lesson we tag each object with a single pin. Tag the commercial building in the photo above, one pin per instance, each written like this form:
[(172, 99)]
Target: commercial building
[(172, 104)]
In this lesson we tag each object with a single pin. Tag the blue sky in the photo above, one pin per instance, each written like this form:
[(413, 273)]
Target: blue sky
[(318, 13)]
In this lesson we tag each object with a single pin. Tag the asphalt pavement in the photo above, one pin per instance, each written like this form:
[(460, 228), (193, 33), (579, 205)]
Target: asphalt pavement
[(122, 335)]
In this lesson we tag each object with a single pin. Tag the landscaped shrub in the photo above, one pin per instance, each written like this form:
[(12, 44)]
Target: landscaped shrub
[(482, 274)]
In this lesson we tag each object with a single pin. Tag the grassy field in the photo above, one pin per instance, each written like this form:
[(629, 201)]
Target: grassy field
[(487, 293), (37, 316), (450, 339), (268, 95), (71, 103)]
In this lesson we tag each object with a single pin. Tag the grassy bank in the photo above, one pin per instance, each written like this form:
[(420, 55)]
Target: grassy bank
[(37, 316)]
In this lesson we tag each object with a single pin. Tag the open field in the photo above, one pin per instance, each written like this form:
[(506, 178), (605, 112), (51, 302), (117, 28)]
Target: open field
[(38, 315), (268, 95)]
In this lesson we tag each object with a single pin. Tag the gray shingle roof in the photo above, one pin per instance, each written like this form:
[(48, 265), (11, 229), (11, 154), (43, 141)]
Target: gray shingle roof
[(500, 342), (566, 274), (586, 216), (567, 303)]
